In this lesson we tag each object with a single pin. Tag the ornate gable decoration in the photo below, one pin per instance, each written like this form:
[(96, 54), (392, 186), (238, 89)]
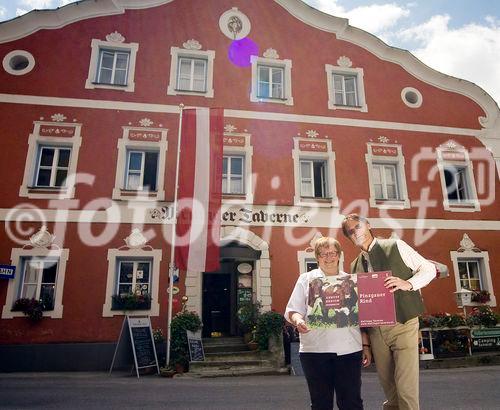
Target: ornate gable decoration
[(42, 238), (115, 37), (192, 45), (466, 244), (271, 53), (344, 61), (136, 240)]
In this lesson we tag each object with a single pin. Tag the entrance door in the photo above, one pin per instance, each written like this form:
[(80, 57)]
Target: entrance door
[(219, 297)]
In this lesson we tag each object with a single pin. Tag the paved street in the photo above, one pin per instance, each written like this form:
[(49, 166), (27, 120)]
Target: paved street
[(468, 388)]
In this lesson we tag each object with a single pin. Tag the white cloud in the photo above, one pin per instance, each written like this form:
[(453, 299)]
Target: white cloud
[(20, 12), (470, 52), (64, 2), (374, 18), (37, 4), (3, 10)]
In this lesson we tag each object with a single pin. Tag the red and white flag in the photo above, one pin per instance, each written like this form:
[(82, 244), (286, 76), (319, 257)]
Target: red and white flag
[(200, 190)]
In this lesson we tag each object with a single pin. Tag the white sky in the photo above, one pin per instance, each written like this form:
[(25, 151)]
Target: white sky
[(457, 37)]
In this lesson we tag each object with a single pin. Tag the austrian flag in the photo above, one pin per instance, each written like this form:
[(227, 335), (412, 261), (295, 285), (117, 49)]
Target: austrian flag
[(200, 190)]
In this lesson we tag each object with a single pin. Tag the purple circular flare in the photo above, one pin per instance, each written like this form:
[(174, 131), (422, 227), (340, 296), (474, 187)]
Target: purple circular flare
[(240, 51)]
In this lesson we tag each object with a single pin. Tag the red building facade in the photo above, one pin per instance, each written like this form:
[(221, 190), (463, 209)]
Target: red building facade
[(334, 123)]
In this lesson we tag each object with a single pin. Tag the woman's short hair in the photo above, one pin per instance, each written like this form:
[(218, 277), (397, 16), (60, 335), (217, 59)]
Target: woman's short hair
[(326, 242)]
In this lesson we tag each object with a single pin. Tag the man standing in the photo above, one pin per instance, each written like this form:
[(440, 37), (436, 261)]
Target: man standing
[(394, 348)]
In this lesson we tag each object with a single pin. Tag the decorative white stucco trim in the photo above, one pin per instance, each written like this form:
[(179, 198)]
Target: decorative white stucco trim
[(17, 255), (15, 54), (113, 256)]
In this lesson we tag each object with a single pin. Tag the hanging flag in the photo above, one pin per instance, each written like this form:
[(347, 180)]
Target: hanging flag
[(200, 190)]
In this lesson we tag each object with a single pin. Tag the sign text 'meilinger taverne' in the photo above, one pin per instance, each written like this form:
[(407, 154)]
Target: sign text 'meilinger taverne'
[(242, 215)]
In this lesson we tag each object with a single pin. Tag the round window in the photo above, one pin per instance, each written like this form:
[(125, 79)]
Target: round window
[(18, 62), (411, 97)]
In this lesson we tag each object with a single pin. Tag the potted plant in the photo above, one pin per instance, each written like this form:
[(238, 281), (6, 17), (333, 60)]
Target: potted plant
[(160, 345), (482, 316), (269, 324), (481, 296), (179, 350), (32, 308), (131, 301), (248, 314)]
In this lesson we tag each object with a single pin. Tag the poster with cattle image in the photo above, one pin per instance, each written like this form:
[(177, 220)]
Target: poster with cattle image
[(350, 300)]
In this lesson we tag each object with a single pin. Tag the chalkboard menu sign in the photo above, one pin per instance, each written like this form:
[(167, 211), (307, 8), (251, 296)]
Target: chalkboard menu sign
[(139, 340), (195, 344), (244, 295)]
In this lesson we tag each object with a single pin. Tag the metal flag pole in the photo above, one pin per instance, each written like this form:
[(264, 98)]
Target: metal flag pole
[(171, 269)]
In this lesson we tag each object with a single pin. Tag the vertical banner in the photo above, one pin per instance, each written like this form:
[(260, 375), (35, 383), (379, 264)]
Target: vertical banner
[(200, 190)]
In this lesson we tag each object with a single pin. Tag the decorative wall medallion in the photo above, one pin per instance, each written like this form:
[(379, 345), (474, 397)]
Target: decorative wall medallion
[(58, 118), (136, 239), (451, 145), (192, 45), (383, 140), (42, 238), (271, 53), (234, 24), (312, 133), (146, 122), (344, 61), (115, 37), (229, 128)]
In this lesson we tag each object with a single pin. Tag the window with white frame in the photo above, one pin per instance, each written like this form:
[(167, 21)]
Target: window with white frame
[(142, 170), (237, 178), (192, 75), (469, 271), (386, 176), (233, 168), (52, 166), (141, 164), (345, 88), (132, 273), (457, 179), (113, 67), (39, 280), (112, 64), (271, 80), (314, 170), (133, 277), (471, 267), (385, 181), (314, 178), (191, 70), (51, 160), (41, 277)]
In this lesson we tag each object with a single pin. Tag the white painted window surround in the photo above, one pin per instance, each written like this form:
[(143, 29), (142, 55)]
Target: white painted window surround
[(35, 142), (18, 258), (398, 161), (358, 73), (114, 257), (181, 54), (125, 145), (286, 79), (483, 259), (329, 158), (462, 166), (246, 151), (99, 45)]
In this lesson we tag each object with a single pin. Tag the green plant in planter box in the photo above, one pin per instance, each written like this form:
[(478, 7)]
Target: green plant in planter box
[(179, 350), (32, 308), (131, 301), (268, 324), (248, 313), (482, 316)]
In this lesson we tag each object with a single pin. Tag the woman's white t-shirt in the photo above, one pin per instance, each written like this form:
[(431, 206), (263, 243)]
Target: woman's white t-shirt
[(342, 341)]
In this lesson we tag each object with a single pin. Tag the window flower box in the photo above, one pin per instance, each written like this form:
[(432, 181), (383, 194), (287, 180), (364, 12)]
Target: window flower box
[(131, 302)]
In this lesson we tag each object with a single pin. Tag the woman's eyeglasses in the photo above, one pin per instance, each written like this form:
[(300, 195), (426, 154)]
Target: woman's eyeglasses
[(330, 254)]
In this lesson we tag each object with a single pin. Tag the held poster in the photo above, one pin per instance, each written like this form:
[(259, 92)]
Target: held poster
[(350, 300)]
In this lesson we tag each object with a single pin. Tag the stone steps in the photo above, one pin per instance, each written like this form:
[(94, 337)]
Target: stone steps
[(230, 356)]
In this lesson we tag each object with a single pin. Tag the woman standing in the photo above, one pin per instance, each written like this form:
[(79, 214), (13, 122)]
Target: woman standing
[(331, 357)]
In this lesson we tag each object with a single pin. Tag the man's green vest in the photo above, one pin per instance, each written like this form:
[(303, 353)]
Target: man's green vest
[(385, 256)]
